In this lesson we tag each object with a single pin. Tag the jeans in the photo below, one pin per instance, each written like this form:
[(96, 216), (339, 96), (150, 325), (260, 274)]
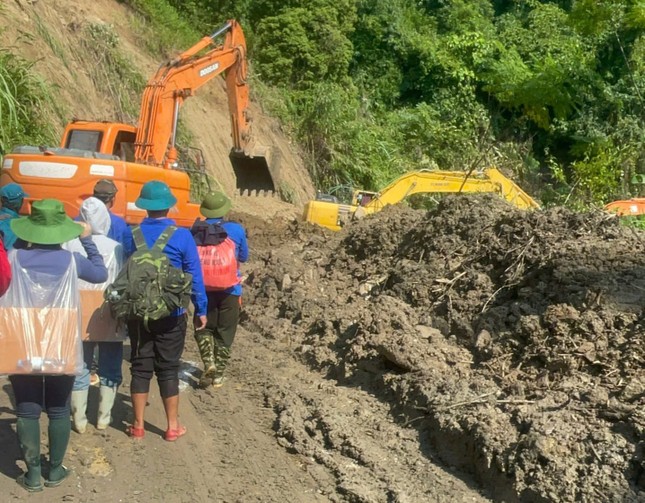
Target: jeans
[(34, 393), (110, 358)]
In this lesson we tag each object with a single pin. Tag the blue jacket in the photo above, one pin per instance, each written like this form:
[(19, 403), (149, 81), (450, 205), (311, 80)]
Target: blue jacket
[(52, 260), (182, 252), (237, 233), (121, 233), (6, 216)]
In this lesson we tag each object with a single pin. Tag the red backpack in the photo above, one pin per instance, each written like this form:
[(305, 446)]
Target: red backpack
[(216, 254)]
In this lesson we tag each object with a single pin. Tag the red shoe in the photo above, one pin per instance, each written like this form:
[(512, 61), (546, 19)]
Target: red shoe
[(135, 432), (172, 435)]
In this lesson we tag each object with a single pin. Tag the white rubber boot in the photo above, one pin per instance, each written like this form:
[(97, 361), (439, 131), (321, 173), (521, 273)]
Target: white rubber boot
[(106, 402), (79, 410)]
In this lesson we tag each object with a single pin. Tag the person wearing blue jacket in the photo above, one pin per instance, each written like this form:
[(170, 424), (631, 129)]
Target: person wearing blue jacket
[(12, 197), (157, 348), (216, 340), (106, 190), (39, 256)]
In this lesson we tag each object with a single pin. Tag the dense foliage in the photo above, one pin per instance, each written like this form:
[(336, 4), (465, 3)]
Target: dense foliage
[(549, 90)]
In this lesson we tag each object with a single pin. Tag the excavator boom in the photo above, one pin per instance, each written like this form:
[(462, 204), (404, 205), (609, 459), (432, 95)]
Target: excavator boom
[(177, 80), (131, 156), (333, 215)]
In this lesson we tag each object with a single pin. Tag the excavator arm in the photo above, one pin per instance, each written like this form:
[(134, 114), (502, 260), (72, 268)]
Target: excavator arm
[(178, 79), (333, 215), (255, 166), (419, 182)]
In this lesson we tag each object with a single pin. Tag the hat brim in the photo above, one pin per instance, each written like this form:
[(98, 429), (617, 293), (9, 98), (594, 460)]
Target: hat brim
[(155, 204), (217, 212), (26, 230)]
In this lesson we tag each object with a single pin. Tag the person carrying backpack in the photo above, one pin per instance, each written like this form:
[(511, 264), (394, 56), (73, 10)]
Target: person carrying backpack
[(151, 292), (214, 237)]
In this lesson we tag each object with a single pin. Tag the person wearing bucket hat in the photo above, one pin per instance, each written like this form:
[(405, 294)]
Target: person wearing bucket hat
[(40, 258), (216, 339), (157, 345), (12, 197)]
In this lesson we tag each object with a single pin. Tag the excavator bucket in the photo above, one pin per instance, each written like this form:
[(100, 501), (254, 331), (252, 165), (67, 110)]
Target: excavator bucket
[(256, 173)]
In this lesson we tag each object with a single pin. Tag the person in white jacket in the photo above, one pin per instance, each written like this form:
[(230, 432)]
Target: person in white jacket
[(110, 345)]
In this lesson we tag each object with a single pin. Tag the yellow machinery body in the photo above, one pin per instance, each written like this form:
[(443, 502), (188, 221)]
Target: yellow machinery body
[(333, 215)]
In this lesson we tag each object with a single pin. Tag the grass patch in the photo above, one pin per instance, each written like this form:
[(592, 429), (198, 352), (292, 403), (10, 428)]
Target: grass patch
[(111, 72), (24, 108), (160, 26), (57, 48)]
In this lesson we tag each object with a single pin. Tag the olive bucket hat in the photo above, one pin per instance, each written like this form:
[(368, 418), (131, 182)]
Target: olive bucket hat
[(215, 205), (47, 225), (155, 195)]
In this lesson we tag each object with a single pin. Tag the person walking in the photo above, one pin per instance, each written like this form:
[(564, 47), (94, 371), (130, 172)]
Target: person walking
[(110, 345), (157, 345), (105, 190), (41, 261), (12, 197), (216, 339)]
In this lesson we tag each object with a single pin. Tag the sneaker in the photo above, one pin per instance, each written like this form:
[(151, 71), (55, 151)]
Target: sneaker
[(218, 382)]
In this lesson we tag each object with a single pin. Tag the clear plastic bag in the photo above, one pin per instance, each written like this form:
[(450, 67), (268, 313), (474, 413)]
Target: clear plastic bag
[(97, 322), (40, 322)]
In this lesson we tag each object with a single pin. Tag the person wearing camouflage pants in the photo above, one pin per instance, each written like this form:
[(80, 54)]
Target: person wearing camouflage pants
[(216, 339)]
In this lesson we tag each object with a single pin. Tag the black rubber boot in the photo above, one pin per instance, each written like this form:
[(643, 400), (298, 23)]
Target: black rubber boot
[(29, 438), (59, 431)]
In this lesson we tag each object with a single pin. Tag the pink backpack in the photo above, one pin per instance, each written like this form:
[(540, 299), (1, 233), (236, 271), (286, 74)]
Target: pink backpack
[(216, 254)]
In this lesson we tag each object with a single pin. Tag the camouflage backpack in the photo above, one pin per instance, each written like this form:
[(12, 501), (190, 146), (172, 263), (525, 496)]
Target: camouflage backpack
[(149, 287)]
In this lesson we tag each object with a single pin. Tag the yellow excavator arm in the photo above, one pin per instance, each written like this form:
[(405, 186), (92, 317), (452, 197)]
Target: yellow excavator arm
[(333, 215)]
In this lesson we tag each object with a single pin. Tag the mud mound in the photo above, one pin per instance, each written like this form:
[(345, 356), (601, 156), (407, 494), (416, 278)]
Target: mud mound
[(512, 341)]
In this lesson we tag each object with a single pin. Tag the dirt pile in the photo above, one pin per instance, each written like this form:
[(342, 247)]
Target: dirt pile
[(511, 341)]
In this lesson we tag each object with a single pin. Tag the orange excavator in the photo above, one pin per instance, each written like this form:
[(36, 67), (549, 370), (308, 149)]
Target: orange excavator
[(633, 207), (131, 156)]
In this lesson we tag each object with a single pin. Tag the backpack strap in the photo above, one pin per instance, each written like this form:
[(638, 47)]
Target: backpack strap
[(165, 236), (139, 239)]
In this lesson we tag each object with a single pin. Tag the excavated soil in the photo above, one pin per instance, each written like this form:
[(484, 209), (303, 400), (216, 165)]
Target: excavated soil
[(508, 345)]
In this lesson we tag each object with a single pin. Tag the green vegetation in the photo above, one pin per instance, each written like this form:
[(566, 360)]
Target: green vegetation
[(22, 100), (160, 26), (111, 72), (549, 90)]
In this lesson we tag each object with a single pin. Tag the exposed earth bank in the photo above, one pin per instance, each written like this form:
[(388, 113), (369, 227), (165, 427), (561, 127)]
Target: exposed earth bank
[(509, 344)]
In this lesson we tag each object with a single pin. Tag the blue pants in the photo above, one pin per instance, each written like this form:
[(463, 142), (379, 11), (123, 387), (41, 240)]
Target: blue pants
[(34, 393), (110, 358)]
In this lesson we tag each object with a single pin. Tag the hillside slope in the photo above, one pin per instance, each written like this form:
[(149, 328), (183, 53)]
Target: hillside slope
[(61, 38)]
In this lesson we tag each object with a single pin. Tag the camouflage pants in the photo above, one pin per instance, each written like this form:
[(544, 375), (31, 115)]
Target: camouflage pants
[(216, 339)]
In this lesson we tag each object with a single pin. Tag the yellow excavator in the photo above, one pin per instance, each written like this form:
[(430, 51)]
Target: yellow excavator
[(327, 212)]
